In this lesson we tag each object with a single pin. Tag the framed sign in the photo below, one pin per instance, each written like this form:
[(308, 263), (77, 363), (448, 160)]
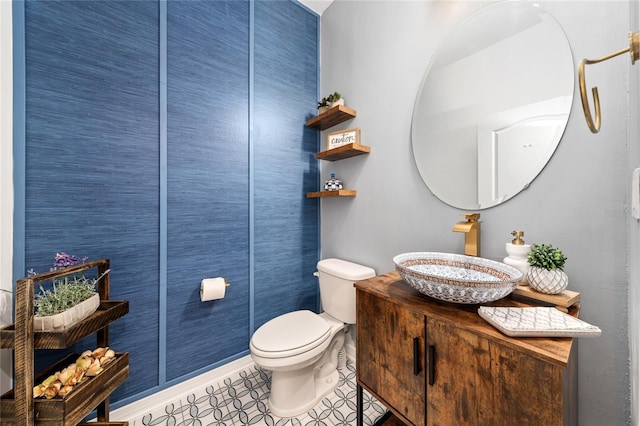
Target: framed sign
[(343, 137)]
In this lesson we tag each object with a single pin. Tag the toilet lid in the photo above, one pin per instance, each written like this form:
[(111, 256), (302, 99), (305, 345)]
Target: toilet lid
[(293, 333)]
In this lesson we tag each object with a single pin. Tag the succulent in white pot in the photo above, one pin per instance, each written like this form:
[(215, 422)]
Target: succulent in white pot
[(330, 101), (335, 99), (323, 105), (546, 273)]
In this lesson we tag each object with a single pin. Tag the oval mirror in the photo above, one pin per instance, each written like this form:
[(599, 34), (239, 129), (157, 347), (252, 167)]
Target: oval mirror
[(493, 105)]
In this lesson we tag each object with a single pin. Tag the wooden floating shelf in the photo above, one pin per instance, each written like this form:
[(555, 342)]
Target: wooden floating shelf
[(108, 311), (331, 117), (344, 151), (338, 193)]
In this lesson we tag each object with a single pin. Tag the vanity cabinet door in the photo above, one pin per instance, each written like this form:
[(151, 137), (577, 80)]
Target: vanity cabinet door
[(459, 381), (390, 355), (529, 388)]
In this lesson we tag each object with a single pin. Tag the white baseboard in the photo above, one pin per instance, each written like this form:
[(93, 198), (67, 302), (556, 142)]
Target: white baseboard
[(141, 407)]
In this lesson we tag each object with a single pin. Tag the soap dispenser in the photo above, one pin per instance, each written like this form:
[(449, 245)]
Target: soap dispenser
[(517, 251)]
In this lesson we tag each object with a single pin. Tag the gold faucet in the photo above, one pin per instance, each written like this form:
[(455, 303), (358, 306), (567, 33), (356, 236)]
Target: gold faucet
[(471, 229)]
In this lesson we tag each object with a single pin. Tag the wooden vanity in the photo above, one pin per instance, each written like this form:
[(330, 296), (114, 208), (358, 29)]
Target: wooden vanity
[(438, 363)]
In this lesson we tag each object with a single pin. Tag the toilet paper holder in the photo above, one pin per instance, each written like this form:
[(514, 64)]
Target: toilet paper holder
[(226, 283), (213, 288)]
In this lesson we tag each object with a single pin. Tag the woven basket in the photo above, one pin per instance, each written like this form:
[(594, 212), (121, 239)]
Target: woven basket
[(552, 281)]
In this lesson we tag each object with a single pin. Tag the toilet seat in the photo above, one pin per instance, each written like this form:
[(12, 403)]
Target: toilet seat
[(290, 334)]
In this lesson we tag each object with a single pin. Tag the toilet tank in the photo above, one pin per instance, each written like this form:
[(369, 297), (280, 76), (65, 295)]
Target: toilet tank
[(337, 293)]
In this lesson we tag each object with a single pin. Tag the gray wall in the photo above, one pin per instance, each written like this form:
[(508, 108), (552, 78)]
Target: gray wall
[(375, 53), (634, 235), (6, 187)]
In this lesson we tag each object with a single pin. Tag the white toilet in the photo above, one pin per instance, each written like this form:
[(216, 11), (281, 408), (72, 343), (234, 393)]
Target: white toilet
[(301, 348)]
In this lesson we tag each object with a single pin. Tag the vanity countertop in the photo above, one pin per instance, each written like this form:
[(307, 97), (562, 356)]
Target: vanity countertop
[(390, 286)]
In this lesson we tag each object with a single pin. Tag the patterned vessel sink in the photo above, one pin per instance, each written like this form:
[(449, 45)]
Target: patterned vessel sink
[(457, 278)]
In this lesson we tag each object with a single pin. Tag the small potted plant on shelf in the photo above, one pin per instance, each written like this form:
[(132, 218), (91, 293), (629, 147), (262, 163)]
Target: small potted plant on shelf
[(71, 299), (335, 99), (546, 273), (323, 105), (330, 101)]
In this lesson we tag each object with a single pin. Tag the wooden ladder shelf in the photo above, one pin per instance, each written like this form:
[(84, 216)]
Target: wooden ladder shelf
[(18, 406)]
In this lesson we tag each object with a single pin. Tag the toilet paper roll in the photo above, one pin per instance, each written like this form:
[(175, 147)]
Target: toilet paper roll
[(212, 288)]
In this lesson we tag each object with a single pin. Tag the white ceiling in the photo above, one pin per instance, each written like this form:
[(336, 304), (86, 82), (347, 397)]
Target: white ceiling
[(317, 6)]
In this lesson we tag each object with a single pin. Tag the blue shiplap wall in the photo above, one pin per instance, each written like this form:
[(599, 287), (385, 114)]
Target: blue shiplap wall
[(286, 237), (208, 180), (231, 154), (92, 155)]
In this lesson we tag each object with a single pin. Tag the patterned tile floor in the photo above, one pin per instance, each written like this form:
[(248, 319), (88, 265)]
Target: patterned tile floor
[(241, 399)]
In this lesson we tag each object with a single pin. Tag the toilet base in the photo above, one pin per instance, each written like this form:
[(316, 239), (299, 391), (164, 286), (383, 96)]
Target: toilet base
[(284, 403), (294, 392)]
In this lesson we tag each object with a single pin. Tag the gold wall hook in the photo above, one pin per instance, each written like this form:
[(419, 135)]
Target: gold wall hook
[(634, 49)]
